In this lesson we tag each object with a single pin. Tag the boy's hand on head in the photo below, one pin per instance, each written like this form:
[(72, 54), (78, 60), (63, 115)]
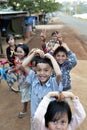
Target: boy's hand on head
[(32, 50), (39, 52)]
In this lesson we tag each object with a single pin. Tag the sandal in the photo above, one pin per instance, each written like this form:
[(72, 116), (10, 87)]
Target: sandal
[(21, 114)]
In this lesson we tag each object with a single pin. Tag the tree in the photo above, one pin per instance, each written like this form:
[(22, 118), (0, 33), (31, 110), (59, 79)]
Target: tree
[(33, 6)]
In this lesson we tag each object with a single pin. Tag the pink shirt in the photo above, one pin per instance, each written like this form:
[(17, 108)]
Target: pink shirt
[(77, 119)]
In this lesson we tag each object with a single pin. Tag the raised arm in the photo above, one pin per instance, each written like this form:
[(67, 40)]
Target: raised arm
[(31, 56), (79, 112), (55, 66), (43, 35)]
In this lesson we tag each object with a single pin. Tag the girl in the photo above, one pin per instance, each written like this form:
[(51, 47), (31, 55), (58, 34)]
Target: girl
[(10, 50), (56, 114), (22, 52)]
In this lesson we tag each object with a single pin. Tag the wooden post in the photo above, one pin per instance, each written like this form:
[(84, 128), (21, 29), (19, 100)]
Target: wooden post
[(1, 49)]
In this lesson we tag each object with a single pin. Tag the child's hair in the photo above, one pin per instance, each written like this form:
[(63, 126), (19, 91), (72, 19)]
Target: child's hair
[(8, 37), (56, 110), (54, 33), (60, 49), (35, 59), (44, 60), (24, 47)]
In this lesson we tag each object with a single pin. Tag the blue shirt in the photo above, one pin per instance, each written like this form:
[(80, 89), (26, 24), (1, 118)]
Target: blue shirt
[(66, 67), (38, 91)]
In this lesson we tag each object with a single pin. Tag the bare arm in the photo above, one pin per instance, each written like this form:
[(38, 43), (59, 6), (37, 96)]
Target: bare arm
[(31, 56), (65, 46)]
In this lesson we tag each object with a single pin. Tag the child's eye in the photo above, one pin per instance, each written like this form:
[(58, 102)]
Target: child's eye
[(46, 70), (38, 70), (63, 122)]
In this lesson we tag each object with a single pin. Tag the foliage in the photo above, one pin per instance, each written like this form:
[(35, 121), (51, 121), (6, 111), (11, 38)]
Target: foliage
[(33, 6)]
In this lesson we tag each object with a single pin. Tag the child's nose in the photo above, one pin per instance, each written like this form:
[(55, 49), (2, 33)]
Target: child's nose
[(58, 125), (42, 72)]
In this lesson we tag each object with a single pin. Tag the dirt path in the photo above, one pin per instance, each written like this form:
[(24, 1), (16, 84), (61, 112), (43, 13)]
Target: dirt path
[(10, 101)]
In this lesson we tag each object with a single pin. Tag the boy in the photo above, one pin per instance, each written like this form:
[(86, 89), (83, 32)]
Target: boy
[(66, 60), (42, 82)]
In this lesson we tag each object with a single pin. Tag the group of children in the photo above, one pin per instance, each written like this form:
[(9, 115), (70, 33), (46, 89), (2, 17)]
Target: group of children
[(43, 78)]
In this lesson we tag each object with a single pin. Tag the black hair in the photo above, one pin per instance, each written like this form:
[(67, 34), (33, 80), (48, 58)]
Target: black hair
[(57, 108), (24, 47), (35, 59), (8, 37), (60, 49), (53, 33), (44, 60)]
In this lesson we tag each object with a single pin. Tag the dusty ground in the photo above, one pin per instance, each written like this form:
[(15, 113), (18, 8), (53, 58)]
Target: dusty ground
[(10, 101)]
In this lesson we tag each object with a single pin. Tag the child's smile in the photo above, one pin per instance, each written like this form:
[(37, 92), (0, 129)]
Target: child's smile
[(43, 72)]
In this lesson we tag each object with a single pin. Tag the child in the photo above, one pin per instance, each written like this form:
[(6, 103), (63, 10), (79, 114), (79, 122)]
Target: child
[(56, 114), (22, 52), (53, 41), (53, 36), (10, 79), (10, 50), (41, 81), (66, 60)]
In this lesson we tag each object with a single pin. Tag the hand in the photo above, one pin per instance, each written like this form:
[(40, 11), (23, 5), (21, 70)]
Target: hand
[(55, 47), (39, 52), (32, 50), (53, 95), (12, 52), (59, 37), (68, 95)]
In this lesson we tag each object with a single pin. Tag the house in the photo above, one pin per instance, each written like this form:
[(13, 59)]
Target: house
[(11, 22)]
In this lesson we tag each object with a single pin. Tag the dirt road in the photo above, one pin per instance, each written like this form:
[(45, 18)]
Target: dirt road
[(10, 101)]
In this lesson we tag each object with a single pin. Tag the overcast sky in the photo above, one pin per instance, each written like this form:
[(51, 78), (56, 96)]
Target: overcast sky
[(68, 0)]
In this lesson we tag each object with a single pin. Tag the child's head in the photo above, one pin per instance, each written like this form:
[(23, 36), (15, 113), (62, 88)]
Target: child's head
[(10, 39), (58, 115), (54, 35), (50, 45), (57, 36), (61, 54), (22, 50), (44, 69)]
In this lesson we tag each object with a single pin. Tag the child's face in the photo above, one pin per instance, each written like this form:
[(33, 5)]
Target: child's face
[(54, 37), (11, 41), (61, 57), (20, 53), (50, 46), (59, 124), (43, 71)]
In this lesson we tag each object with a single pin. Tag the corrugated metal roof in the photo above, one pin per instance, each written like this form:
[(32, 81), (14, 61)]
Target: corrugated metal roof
[(4, 14)]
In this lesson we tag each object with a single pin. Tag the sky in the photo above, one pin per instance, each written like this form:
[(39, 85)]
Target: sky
[(69, 0)]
